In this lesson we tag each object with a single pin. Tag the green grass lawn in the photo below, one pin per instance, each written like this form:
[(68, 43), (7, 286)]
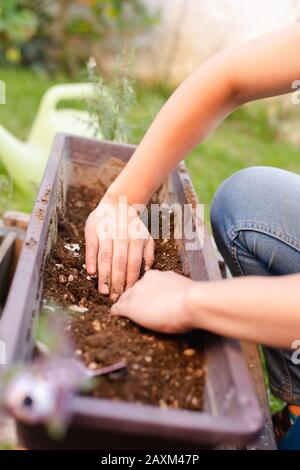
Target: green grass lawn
[(244, 139)]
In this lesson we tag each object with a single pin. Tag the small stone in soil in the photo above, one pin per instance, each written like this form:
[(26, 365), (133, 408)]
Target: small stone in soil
[(76, 308), (72, 246), (163, 404), (62, 279), (195, 402), (96, 325), (189, 352), (93, 366), (83, 302), (199, 373)]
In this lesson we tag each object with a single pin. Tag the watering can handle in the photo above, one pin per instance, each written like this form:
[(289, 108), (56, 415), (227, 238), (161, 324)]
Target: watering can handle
[(70, 91)]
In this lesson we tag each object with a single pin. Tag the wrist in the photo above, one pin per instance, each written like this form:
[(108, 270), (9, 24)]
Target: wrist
[(135, 194), (198, 303), (118, 200), (117, 204), (110, 197)]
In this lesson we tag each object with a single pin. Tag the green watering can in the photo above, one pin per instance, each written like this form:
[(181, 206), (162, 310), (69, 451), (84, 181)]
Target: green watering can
[(26, 161)]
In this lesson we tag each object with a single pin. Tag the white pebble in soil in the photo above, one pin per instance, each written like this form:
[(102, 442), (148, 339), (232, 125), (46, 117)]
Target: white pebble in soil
[(72, 247)]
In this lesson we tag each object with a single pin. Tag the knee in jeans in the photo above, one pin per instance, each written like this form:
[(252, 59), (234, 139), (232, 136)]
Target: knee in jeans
[(230, 201)]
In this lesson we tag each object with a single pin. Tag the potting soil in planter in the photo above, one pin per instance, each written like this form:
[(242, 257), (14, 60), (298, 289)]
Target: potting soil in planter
[(163, 370)]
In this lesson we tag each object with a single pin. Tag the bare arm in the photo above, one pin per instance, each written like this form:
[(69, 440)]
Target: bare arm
[(264, 67), (260, 309), (200, 103)]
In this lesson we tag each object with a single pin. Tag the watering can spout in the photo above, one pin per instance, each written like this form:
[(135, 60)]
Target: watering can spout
[(22, 162)]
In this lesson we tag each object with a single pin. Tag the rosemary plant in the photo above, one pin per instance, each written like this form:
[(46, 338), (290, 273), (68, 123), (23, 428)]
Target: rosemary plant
[(113, 99)]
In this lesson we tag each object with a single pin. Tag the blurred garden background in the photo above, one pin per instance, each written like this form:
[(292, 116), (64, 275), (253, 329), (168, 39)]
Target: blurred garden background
[(44, 43)]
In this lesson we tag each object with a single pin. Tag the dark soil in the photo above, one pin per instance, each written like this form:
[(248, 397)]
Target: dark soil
[(163, 370)]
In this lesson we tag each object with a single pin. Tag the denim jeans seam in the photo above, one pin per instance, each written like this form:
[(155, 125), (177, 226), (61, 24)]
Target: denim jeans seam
[(285, 389), (263, 228), (233, 250), (293, 398), (288, 383), (235, 260), (281, 394)]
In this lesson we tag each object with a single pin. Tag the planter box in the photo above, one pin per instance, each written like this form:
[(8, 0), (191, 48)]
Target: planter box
[(231, 411), (12, 231), (7, 248)]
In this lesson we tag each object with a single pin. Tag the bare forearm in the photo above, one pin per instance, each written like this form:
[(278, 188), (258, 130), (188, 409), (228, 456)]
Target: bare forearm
[(192, 112), (263, 67), (264, 310)]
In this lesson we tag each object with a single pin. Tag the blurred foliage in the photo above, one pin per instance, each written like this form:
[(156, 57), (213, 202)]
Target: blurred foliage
[(18, 24), (113, 100), (63, 34)]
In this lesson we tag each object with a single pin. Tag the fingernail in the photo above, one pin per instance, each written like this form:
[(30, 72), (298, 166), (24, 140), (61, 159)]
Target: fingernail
[(91, 270), (104, 289), (147, 268)]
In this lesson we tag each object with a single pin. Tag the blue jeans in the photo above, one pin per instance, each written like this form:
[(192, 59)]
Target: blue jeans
[(255, 217)]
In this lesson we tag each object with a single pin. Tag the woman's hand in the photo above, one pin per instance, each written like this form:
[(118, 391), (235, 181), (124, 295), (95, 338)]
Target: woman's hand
[(116, 243), (158, 302)]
